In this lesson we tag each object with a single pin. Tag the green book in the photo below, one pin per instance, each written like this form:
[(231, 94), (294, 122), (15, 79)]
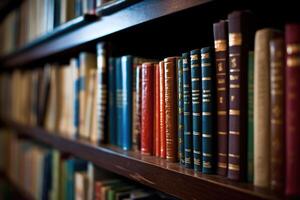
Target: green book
[(55, 175), (250, 117)]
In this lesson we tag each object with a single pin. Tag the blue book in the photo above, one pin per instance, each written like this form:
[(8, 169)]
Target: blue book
[(47, 175), (196, 107), (208, 105), (187, 111), (112, 101), (124, 101), (76, 80), (180, 111)]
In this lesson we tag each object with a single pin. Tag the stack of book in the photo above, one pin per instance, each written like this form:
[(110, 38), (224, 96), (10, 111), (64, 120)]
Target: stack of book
[(34, 18), (222, 109)]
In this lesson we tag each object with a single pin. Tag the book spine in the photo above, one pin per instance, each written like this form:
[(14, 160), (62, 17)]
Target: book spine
[(292, 40), (147, 108), (112, 101), (170, 108), (180, 111), (101, 93), (277, 114), (162, 111), (196, 87), (156, 114), (187, 111), (136, 138), (221, 52), (208, 164), (262, 108), (239, 31), (82, 93), (250, 136)]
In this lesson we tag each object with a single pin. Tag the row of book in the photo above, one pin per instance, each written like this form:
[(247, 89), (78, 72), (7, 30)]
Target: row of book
[(45, 173), (220, 109)]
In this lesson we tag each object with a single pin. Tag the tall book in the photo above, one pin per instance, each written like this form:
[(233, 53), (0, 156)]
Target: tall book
[(147, 108), (240, 32), (221, 57), (180, 111), (292, 41), (162, 109), (208, 112), (262, 107), (250, 136), (112, 101), (196, 88), (74, 64), (136, 126), (124, 102), (187, 111), (156, 116), (170, 108), (277, 113)]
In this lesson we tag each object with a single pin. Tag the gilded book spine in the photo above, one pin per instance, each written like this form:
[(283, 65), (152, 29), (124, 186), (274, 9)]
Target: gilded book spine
[(162, 111), (187, 111), (196, 107), (170, 108)]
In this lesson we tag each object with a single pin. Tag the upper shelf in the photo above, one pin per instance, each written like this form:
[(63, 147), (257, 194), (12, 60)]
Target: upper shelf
[(155, 172), (135, 14)]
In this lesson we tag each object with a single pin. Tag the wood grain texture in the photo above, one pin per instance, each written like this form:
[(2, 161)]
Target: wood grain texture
[(155, 172)]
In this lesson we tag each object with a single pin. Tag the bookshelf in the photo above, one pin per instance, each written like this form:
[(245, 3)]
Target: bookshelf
[(138, 18)]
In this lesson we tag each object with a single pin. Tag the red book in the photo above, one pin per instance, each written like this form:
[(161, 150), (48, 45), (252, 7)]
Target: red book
[(147, 108), (97, 190), (162, 110), (156, 115), (292, 38)]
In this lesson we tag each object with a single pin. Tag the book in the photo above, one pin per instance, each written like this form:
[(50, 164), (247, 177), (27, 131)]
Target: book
[(196, 88), (147, 108), (292, 41), (262, 107), (124, 101), (221, 59), (81, 184), (156, 139), (181, 154), (250, 136), (277, 113), (187, 111), (240, 33), (170, 108), (208, 112), (162, 109), (112, 101)]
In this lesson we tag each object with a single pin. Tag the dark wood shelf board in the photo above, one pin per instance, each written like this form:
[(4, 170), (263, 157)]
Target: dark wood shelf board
[(133, 15), (167, 177)]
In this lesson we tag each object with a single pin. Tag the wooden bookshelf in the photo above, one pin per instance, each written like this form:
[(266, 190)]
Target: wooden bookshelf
[(154, 172)]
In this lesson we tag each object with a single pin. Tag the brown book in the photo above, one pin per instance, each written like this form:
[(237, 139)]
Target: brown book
[(162, 111), (171, 108), (239, 29), (277, 55), (156, 115), (221, 56)]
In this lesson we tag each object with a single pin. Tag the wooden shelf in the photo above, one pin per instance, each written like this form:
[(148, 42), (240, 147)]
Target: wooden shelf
[(167, 177), (135, 14)]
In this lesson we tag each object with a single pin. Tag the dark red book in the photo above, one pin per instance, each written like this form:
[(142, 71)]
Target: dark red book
[(162, 114), (156, 115), (147, 108), (292, 39), (171, 108)]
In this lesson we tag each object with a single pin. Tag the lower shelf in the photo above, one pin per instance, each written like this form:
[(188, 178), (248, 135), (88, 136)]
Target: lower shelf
[(167, 177)]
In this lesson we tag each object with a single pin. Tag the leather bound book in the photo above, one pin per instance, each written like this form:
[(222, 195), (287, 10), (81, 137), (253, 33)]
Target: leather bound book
[(277, 111), (262, 107), (180, 111), (221, 57), (240, 33), (170, 108), (147, 108), (136, 135), (156, 114), (292, 41), (162, 111), (112, 101), (208, 110), (196, 88), (250, 136), (187, 111)]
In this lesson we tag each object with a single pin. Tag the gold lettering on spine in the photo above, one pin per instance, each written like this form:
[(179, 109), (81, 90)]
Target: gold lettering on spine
[(293, 62), (220, 45), (235, 39), (293, 48)]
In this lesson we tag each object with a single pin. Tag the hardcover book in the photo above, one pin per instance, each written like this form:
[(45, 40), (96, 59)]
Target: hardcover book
[(162, 109), (156, 134), (112, 131)]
